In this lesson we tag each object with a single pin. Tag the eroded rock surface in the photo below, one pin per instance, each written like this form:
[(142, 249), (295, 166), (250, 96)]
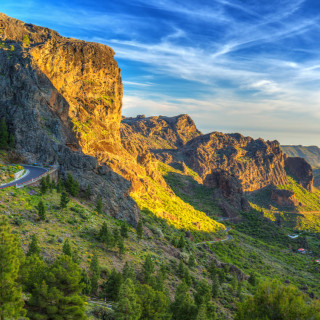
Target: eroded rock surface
[(62, 98), (301, 170), (284, 198)]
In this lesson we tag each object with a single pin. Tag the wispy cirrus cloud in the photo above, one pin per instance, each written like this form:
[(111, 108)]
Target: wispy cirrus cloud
[(233, 65)]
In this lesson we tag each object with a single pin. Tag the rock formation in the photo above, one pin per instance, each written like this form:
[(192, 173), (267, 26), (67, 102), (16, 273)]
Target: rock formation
[(284, 198), (61, 97), (301, 170), (255, 163), (159, 132), (228, 192)]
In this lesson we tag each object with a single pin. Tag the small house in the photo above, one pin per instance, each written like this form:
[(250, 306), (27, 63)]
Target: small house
[(301, 250)]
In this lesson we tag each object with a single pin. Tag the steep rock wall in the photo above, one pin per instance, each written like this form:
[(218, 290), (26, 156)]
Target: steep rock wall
[(41, 76)]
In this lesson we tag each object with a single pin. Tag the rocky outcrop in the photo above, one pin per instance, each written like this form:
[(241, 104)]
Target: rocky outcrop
[(284, 198), (301, 170), (159, 132), (61, 97), (255, 163), (228, 192), (310, 153)]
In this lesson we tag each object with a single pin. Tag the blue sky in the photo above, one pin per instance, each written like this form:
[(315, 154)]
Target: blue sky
[(243, 66)]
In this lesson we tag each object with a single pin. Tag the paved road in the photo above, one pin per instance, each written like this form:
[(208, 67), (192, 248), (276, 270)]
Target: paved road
[(34, 172), (214, 241)]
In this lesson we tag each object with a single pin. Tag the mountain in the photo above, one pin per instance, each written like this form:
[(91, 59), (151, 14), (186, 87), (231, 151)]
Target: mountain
[(208, 214), (310, 153)]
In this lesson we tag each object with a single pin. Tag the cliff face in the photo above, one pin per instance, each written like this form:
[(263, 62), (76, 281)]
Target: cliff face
[(159, 132), (310, 153), (256, 163), (62, 97), (230, 163), (85, 74), (301, 171)]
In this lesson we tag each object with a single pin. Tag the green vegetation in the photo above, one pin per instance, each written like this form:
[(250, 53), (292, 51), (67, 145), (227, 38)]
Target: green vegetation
[(6, 138), (305, 216), (26, 41), (11, 302), (7, 172), (273, 301), (175, 211), (187, 187), (155, 269)]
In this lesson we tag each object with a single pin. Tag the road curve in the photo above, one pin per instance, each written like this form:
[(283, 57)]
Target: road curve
[(214, 241), (34, 172)]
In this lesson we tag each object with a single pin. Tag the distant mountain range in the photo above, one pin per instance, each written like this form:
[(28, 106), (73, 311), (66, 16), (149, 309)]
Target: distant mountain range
[(310, 153)]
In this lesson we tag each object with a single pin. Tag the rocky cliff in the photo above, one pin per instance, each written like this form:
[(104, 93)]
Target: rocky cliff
[(301, 171), (62, 100), (310, 153), (159, 132)]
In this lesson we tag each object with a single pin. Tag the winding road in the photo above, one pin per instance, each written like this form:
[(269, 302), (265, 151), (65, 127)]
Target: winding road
[(33, 172), (214, 241)]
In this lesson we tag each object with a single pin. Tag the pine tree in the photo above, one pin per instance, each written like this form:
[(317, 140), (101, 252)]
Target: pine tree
[(212, 269), (116, 235), (59, 186), (11, 302), (124, 230), (121, 246), (215, 286), (192, 261), (59, 295), (139, 229), (43, 185), (32, 272), (85, 281), (239, 288), (112, 287), (187, 277), (94, 273), (128, 307), (66, 249), (103, 232), (99, 205), (154, 303), (203, 293), (252, 279), (88, 192), (11, 141), (234, 282), (41, 210), (64, 200), (128, 272), (182, 242), (106, 236), (183, 306), (4, 135), (69, 183), (148, 269), (202, 313), (34, 246), (181, 269), (48, 182)]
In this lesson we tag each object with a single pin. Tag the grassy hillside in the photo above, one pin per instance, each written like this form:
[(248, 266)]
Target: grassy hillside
[(177, 210), (257, 246), (305, 216)]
